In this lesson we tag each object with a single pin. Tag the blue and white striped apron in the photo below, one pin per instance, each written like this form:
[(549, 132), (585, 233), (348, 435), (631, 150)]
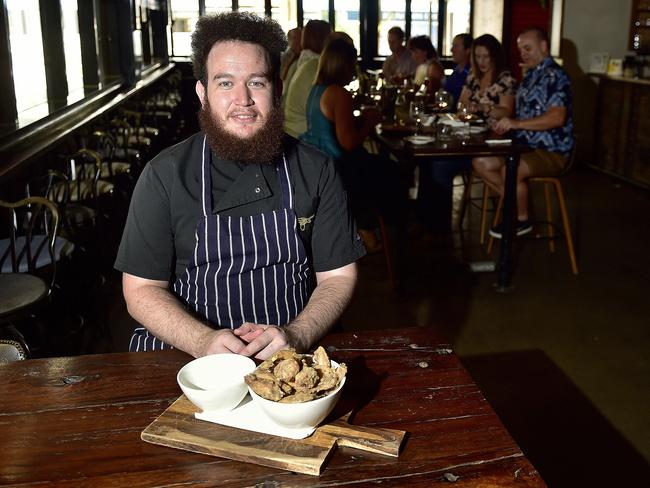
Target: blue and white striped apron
[(244, 269)]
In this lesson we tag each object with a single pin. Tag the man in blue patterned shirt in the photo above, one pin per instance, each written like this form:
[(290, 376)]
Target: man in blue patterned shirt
[(544, 121)]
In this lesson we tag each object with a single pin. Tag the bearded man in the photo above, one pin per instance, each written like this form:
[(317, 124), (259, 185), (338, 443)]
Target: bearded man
[(238, 239)]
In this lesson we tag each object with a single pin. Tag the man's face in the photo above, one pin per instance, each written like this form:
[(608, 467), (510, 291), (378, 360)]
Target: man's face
[(458, 51), (531, 49), (239, 87), (394, 43)]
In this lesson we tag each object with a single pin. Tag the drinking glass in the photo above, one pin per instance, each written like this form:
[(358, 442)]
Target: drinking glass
[(416, 110)]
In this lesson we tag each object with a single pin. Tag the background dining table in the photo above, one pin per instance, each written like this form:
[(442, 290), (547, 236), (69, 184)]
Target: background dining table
[(393, 139), (77, 421)]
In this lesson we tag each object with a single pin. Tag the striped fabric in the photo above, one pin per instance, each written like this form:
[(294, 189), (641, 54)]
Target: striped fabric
[(249, 269)]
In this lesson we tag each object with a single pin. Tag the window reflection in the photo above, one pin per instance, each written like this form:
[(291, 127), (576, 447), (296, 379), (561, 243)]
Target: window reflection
[(184, 14), (391, 14), (27, 61), (346, 18)]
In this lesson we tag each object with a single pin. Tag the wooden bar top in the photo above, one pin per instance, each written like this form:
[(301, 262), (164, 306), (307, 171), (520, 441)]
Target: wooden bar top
[(77, 422)]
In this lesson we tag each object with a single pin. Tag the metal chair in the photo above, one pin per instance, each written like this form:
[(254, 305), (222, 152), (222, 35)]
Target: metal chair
[(28, 261), (11, 351)]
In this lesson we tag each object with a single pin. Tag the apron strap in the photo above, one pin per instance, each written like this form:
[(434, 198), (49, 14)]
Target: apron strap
[(206, 179), (285, 183)]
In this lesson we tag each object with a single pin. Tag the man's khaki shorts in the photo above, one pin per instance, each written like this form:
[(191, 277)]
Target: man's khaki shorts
[(544, 163)]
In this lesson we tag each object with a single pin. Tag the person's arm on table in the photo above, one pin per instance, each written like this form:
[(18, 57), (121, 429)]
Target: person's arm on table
[(554, 117), (505, 108), (152, 304), (330, 297)]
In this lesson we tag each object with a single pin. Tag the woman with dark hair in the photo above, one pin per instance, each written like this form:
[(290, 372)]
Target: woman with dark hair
[(490, 88), (429, 68), (489, 91), (333, 128)]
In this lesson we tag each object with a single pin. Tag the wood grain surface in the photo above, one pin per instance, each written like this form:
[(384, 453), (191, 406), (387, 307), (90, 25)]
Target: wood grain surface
[(178, 428), (77, 421)]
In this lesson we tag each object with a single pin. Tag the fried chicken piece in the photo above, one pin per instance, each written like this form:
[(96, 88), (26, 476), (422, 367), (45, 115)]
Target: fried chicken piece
[(285, 354), (286, 388), (286, 369), (328, 380), (265, 375), (320, 357), (341, 371), (306, 379), (266, 365), (264, 388), (299, 397)]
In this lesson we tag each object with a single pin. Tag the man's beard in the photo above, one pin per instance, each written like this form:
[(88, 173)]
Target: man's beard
[(262, 147)]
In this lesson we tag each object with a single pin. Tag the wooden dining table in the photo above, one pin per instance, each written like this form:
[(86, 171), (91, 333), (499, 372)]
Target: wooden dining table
[(77, 421), (393, 141)]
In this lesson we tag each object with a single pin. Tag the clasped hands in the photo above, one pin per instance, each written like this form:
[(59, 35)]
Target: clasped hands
[(261, 341)]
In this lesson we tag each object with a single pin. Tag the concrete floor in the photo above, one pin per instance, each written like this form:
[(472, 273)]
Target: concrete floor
[(563, 359)]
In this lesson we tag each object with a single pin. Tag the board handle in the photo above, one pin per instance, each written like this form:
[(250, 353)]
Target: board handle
[(380, 441)]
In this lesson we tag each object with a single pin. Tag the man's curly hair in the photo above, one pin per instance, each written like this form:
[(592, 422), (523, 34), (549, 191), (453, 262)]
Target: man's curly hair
[(236, 26)]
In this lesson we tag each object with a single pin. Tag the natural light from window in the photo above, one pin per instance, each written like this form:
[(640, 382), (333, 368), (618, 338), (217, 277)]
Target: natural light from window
[(28, 65)]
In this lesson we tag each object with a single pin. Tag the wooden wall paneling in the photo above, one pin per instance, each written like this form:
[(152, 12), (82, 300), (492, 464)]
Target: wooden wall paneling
[(639, 168)]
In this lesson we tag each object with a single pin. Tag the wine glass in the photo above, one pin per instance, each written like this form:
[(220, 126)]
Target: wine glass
[(442, 99), (416, 109)]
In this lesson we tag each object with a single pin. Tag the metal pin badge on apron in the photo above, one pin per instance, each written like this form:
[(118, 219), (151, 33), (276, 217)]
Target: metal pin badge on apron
[(244, 269)]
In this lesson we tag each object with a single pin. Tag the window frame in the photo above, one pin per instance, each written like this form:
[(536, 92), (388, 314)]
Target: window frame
[(369, 14)]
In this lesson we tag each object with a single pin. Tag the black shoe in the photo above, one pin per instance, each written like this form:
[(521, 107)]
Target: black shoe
[(523, 227)]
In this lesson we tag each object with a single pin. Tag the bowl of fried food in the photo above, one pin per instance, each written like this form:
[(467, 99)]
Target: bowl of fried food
[(297, 391), (215, 382)]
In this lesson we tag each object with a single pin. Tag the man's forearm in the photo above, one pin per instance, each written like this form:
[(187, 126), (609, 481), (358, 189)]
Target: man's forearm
[(165, 317), (547, 121), (327, 303)]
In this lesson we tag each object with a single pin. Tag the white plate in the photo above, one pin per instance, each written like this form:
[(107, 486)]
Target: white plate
[(420, 139), (248, 416), (477, 129)]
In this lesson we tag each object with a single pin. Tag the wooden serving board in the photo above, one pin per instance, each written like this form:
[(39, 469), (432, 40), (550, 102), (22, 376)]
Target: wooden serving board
[(177, 427)]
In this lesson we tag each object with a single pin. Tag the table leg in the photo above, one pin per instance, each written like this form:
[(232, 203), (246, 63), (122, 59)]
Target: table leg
[(504, 266)]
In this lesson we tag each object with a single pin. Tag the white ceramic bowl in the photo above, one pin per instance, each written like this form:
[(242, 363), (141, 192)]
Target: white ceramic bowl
[(215, 382), (299, 415)]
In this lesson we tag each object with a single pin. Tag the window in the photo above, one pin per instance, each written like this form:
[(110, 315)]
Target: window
[(316, 10), (488, 18), (27, 61), (346, 18), (456, 22), (254, 6), (392, 13), (424, 19), (184, 15), (217, 6), (285, 12), (72, 50)]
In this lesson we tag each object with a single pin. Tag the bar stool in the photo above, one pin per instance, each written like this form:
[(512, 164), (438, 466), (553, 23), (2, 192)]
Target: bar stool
[(470, 201), (549, 182)]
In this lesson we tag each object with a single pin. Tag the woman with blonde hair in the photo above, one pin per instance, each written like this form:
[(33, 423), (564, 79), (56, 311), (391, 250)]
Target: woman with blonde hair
[(333, 128), (429, 69)]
